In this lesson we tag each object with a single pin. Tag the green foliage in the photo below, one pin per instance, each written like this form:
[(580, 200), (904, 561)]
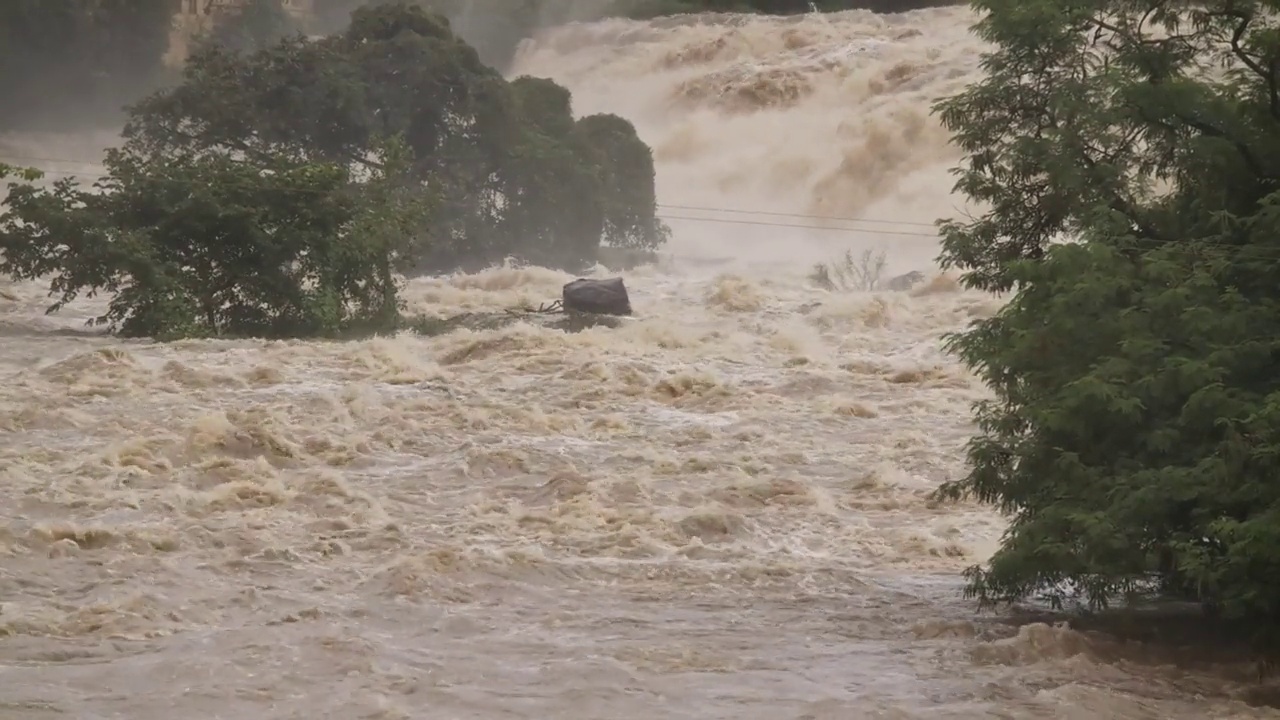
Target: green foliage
[(63, 62), (514, 172), (624, 179), (260, 197), (1136, 424), (571, 185), (203, 244)]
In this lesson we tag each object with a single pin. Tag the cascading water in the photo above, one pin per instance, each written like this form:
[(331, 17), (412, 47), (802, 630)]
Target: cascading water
[(717, 510)]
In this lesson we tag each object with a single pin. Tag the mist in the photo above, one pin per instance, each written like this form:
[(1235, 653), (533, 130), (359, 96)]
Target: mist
[(781, 140)]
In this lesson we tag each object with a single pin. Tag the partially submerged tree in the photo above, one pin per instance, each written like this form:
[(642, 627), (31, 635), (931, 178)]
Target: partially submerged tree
[(274, 193), (1136, 423), (205, 244), (516, 175)]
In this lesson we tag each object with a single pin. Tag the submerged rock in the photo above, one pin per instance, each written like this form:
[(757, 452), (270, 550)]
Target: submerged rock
[(586, 304), (597, 297)]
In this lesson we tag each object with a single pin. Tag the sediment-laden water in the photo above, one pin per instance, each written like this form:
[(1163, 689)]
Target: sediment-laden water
[(717, 510)]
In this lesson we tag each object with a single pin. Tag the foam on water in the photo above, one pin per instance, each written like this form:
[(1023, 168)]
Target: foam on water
[(719, 509)]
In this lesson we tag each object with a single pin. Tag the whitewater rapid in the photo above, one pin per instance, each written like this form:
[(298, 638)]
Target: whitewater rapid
[(719, 509), (773, 123)]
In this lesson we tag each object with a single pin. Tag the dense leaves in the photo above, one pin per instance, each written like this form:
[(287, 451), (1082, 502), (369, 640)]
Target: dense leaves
[(1135, 430), (203, 244), (516, 174), (258, 196)]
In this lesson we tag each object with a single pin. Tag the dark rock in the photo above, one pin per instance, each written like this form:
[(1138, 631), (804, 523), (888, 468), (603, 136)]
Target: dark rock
[(902, 283), (599, 297)]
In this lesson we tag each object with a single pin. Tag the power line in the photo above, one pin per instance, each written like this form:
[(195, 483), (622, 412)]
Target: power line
[(1201, 246), (727, 221), (696, 208), (762, 223)]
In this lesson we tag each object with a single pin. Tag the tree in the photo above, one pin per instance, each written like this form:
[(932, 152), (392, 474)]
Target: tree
[(1127, 155), (574, 183), (72, 62), (29, 175), (625, 181), (278, 192), (511, 171), (204, 244)]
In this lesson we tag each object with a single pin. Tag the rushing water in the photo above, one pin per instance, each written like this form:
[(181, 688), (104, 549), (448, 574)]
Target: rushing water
[(718, 510)]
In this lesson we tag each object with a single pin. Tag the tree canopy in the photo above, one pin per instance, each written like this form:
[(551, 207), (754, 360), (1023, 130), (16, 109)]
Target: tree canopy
[(1128, 157), (204, 244), (258, 197), (515, 172)]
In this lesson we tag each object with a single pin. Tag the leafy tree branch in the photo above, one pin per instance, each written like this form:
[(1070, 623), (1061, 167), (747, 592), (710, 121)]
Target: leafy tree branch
[(1125, 157)]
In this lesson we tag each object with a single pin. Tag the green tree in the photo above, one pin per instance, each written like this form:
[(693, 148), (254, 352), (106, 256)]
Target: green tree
[(512, 174), (260, 196), (72, 63), (624, 177), (1127, 154), (572, 184), (203, 244)]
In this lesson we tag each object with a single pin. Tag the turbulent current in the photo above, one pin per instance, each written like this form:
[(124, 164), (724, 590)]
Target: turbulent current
[(718, 510)]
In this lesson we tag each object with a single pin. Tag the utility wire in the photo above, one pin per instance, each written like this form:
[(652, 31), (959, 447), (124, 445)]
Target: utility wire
[(696, 208), (795, 215), (760, 223), (1200, 248)]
